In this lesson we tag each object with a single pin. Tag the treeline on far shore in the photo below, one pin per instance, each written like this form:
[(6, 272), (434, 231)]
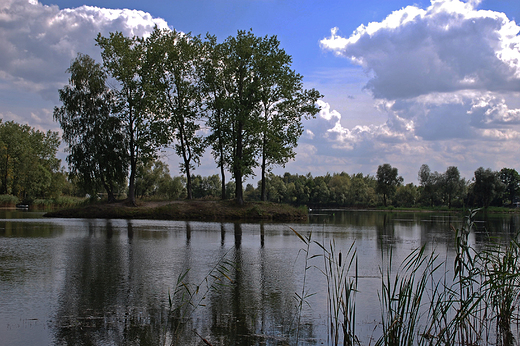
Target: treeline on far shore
[(343, 190), (386, 189), (31, 174)]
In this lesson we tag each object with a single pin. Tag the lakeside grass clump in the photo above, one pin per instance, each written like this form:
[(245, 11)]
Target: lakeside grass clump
[(57, 203), (8, 201)]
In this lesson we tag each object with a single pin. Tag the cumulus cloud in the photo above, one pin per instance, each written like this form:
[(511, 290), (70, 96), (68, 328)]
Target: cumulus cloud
[(38, 42), (449, 46), (445, 78)]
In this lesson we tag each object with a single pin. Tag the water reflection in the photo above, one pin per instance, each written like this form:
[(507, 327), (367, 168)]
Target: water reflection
[(108, 281)]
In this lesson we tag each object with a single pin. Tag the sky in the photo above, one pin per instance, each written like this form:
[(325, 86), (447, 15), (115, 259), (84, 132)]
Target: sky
[(404, 82)]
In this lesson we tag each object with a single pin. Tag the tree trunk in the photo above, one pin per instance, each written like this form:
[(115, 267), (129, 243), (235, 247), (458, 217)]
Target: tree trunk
[(222, 173), (133, 170), (131, 184), (239, 194), (188, 183), (263, 196)]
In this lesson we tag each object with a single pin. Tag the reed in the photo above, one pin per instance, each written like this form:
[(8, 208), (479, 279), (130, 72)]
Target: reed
[(402, 297), (341, 293), (188, 297), (420, 303), (501, 287), (304, 295)]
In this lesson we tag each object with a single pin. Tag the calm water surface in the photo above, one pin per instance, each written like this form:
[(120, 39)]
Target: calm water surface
[(108, 282)]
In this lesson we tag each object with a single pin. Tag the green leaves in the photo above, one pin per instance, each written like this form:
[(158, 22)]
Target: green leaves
[(28, 164), (94, 134)]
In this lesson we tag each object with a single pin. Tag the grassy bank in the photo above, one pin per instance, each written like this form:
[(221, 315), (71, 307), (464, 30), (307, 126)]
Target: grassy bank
[(10, 201), (187, 210)]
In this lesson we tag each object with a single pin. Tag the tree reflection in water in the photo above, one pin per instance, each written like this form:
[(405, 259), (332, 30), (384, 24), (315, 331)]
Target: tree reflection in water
[(106, 294)]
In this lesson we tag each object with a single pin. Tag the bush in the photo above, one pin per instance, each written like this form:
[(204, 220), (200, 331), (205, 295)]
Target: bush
[(8, 200)]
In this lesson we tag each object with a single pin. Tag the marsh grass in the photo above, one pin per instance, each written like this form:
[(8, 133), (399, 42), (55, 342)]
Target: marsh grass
[(402, 296), (426, 300), (8, 200), (188, 297)]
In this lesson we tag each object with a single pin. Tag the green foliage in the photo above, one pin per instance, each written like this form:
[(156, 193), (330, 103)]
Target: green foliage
[(154, 180), (125, 60), (387, 181), (29, 167), (174, 60), (487, 187), (511, 180), (204, 187), (406, 196), (94, 135), (255, 103), (8, 200)]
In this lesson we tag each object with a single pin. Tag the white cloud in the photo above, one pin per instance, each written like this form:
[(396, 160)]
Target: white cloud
[(446, 77), (38, 42), (448, 47)]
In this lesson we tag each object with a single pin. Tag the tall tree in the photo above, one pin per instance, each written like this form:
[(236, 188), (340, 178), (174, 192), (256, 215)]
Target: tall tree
[(427, 183), (486, 186), (511, 180), (451, 183), (242, 83), (173, 62), (282, 104), (124, 60), (217, 99), (94, 135), (387, 180)]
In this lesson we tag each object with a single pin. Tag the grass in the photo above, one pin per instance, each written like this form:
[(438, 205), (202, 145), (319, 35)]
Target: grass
[(8, 200), (478, 305), (57, 203)]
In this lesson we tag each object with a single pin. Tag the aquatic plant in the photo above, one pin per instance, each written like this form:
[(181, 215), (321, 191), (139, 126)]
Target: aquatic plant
[(188, 297), (402, 296)]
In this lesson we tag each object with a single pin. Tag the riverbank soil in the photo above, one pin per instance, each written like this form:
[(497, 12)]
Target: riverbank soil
[(203, 210)]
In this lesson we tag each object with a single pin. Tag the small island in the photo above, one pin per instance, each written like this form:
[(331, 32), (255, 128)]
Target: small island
[(201, 210)]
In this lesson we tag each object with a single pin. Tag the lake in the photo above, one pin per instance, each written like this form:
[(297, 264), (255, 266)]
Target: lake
[(145, 282)]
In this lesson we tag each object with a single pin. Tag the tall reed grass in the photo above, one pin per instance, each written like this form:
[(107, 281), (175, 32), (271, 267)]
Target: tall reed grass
[(187, 297), (421, 303), (424, 300)]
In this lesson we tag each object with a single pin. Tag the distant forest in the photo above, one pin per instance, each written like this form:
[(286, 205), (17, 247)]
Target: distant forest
[(435, 190), (30, 170)]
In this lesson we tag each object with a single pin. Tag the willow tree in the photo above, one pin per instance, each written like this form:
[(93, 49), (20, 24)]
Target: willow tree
[(94, 134), (124, 59), (173, 60)]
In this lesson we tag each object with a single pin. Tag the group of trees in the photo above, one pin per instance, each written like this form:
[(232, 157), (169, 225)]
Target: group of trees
[(447, 189), (28, 164), (172, 87)]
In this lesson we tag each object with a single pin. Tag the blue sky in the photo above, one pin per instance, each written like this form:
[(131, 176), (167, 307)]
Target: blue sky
[(404, 82)]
